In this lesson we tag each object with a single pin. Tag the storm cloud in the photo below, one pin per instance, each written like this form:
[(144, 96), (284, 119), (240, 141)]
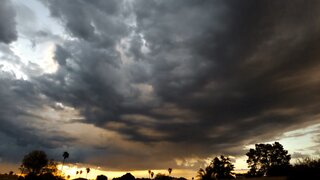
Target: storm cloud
[(179, 79), (8, 32)]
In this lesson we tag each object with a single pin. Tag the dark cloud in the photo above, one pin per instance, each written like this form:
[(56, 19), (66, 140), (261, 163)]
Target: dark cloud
[(231, 73), (8, 32), (182, 79), (99, 22), (61, 55), (22, 129), (235, 69)]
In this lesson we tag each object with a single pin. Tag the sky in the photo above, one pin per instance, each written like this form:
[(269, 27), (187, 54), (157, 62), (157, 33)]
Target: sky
[(132, 85)]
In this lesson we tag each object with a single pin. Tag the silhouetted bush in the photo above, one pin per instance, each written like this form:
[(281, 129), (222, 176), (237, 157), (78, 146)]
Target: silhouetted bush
[(102, 177), (46, 176), (279, 170), (50, 176), (165, 177), (305, 169), (127, 176), (31, 176)]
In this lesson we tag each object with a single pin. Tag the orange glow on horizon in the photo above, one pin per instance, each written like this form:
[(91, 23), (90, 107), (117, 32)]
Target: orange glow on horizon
[(94, 172), (71, 170)]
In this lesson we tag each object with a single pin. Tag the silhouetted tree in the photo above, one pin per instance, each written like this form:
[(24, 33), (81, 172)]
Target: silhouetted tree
[(35, 161), (39, 167), (51, 168), (49, 176), (102, 177), (88, 170), (169, 170), (267, 159), (80, 172), (222, 167), (152, 173), (65, 155), (219, 168)]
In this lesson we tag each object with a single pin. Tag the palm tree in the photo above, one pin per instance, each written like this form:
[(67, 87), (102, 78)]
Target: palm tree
[(206, 174), (149, 171), (88, 170), (65, 155), (152, 173), (169, 170), (219, 168)]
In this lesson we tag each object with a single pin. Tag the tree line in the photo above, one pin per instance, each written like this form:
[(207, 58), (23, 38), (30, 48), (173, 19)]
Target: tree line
[(263, 160), (37, 166)]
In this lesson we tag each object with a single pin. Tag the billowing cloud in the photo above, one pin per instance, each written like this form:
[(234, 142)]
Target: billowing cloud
[(176, 82)]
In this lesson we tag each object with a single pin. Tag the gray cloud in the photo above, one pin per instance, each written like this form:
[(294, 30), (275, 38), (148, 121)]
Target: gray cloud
[(8, 32), (182, 79), (98, 23), (22, 129), (231, 71)]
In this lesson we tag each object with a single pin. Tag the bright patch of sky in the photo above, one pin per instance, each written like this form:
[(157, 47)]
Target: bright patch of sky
[(95, 171), (33, 18), (41, 14)]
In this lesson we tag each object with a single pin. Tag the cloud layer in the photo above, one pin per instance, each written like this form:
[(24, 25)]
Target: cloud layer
[(168, 81), (8, 32)]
